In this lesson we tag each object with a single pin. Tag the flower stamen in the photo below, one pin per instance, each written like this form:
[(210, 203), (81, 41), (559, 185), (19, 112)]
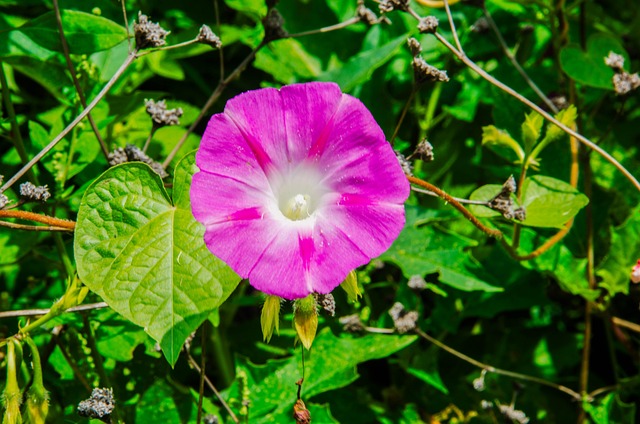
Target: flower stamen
[(297, 207)]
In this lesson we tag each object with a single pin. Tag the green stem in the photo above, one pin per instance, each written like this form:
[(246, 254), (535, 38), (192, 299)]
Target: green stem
[(37, 366), (64, 256), (222, 357), (432, 105)]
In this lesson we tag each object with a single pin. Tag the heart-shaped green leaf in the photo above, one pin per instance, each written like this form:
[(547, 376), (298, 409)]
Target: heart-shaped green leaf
[(146, 257), (588, 67), (549, 202)]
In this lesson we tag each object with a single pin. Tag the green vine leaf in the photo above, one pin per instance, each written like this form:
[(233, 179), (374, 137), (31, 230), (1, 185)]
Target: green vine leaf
[(424, 250), (588, 67), (85, 33), (531, 128), (496, 138), (615, 270), (146, 257), (549, 202)]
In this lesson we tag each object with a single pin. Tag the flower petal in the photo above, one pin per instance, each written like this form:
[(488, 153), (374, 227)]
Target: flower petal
[(356, 158), (224, 152), (308, 110), (259, 117), (283, 267)]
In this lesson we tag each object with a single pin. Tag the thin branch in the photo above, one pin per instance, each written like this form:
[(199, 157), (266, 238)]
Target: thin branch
[(36, 217), (76, 83), (154, 128), (195, 365), (452, 25), (170, 47), (515, 63), (458, 199), (329, 28), (602, 390), (447, 198), (591, 280), (31, 227), (405, 109), (575, 395), (74, 366), (38, 312), (203, 358), (80, 117), (626, 324), (126, 24), (552, 241), (477, 69)]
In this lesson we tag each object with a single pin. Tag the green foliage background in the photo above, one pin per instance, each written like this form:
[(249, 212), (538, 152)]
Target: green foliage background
[(523, 316)]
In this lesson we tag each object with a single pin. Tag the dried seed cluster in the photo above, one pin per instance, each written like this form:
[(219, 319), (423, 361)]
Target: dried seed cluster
[(132, 153)]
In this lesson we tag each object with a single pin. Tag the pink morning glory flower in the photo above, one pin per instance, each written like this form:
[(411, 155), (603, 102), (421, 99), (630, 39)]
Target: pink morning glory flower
[(297, 187)]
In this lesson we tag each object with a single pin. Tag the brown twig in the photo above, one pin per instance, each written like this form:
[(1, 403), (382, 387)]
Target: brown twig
[(515, 63), (451, 200), (626, 324), (25, 227), (195, 365), (575, 395), (552, 241), (36, 217)]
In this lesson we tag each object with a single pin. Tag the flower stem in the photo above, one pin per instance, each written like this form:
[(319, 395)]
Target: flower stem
[(515, 63), (449, 199), (329, 28), (195, 365), (36, 217), (403, 114), (575, 395), (458, 199)]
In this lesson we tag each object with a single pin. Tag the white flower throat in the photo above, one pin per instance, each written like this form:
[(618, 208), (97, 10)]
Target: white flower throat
[(299, 193), (297, 208)]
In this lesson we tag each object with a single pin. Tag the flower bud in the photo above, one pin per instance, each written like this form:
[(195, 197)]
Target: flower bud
[(270, 318), (350, 285), (75, 294), (305, 320), (12, 396), (37, 405), (300, 413)]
